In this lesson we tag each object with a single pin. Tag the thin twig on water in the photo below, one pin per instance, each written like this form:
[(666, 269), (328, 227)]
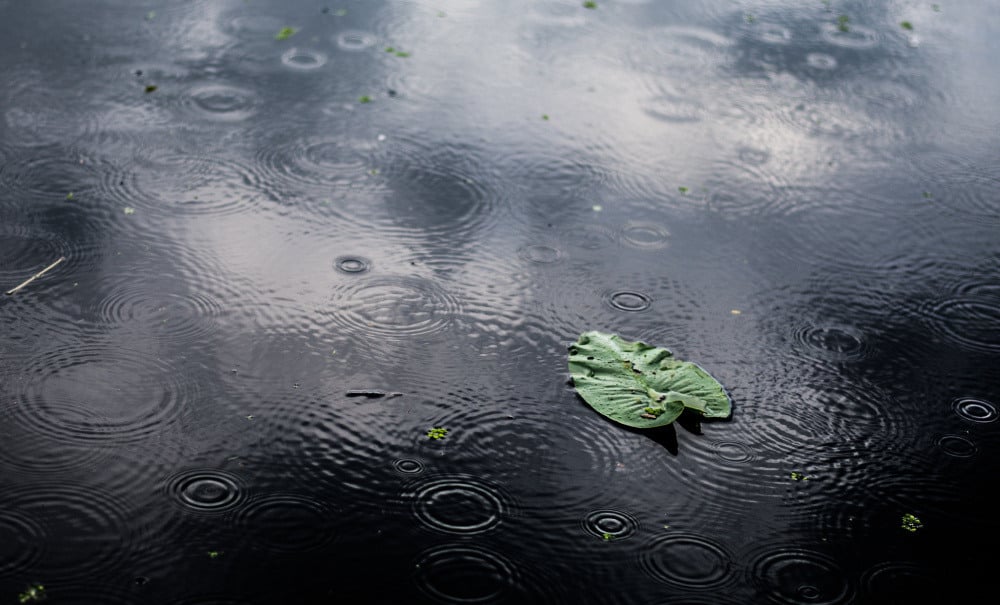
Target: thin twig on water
[(36, 276)]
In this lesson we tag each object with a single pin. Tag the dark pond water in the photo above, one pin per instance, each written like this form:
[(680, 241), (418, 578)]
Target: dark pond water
[(803, 197)]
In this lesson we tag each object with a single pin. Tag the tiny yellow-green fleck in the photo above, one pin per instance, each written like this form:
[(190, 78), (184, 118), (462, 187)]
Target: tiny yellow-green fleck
[(285, 33), (607, 536), (150, 15), (736, 312), (150, 88), (799, 477), (69, 196), (340, 12), (545, 116), (390, 49), (32, 593), (589, 4), (364, 99), (214, 554), (911, 522), (842, 23), (682, 189), (906, 25), (437, 432), (401, 54), (129, 210)]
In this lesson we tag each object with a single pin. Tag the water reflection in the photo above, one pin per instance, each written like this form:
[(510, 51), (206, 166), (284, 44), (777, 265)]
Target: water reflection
[(258, 222)]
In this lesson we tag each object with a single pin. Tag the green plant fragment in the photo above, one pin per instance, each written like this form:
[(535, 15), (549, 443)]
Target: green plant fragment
[(402, 54), (150, 88), (32, 593), (682, 189), (842, 22), (906, 25), (640, 385), (70, 196), (285, 33), (437, 432), (911, 522), (129, 210), (364, 99), (589, 4)]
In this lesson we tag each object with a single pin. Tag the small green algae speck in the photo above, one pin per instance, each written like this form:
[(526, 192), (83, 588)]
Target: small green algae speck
[(911, 522), (32, 593), (906, 25), (285, 33), (589, 4), (437, 432)]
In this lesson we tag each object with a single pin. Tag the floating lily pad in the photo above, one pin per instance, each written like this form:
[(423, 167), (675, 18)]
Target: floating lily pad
[(640, 385)]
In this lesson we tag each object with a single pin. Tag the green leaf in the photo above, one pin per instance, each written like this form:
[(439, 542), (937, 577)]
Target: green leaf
[(640, 385)]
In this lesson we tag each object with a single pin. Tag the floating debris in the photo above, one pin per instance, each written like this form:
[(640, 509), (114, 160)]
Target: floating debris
[(69, 196), (32, 593), (36, 276), (364, 99), (545, 116), (911, 522), (589, 4), (372, 393), (151, 88), (842, 22), (682, 189), (906, 25), (129, 210), (799, 477), (214, 554), (285, 33), (437, 432)]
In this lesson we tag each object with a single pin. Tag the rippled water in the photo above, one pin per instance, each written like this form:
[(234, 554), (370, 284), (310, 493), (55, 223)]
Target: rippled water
[(288, 257)]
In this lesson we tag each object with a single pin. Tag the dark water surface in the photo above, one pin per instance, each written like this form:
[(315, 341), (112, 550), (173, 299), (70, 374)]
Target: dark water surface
[(811, 214)]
